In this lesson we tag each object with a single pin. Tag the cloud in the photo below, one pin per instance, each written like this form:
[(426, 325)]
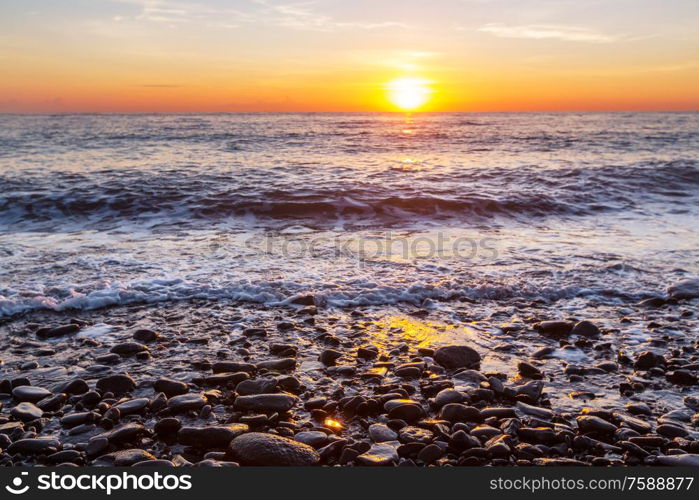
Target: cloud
[(301, 16), (294, 15), (547, 31)]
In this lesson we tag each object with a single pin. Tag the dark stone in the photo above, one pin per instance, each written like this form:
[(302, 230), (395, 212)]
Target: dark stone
[(278, 364), (117, 384), (167, 426), (687, 289), (35, 446), (124, 458), (186, 402), (555, 328), (304, 300), (457, 356), (256, 448), (404, 409), (170, 387), (329, 356), (681, 377), (218, 436), (232, 367), (265, 402), (586, 329), (30, 393), (591, 423), (647, 360), (26, 412), (145, 335), (528, 370), (58, 331), (256, 386), (128, 348), (457, 412)]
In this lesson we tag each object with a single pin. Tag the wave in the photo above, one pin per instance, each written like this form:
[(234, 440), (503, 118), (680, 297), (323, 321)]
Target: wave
[(177, 195), (15, 303)]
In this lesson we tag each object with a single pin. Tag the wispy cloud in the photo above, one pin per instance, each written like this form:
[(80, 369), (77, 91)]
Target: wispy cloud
[(548, 31), (303, 17), (292, 15)]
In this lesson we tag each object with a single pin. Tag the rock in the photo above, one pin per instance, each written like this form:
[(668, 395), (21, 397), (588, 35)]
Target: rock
[(35, 446), (531, 390), (687, 289), (528, 370), (329, 356), (265, 402), (75, 419), (555, 328), (446, 396), (430, 453), (124, 458), (30, 393), (590, 423), (652, 302), (647, 360), (53, 403), (218, 436), (671, 431), (404, 409), (586, 329), (315, 439), (167, 426), (223, 379), (457, 412), (410, 434), (457, 356), (186, 402), (170, 387), (534, 411), (257, 448), (410, 370), (128, 348), (58, 331), (256, 386), (368, 352), (132, 406), (233, 367), (26, 412), (542, 435), (681, 377), (145, 335), (278, 364), (381, 432), (127, 433), (75, 386), (117, 384), (379, 454), (638, 408), (686, 460), (304, 300)]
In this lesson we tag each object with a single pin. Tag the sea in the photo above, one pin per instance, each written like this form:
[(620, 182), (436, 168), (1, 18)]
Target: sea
[(359, 210)]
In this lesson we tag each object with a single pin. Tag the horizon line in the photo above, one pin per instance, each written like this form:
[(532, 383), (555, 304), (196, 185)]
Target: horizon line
[(588, 111)]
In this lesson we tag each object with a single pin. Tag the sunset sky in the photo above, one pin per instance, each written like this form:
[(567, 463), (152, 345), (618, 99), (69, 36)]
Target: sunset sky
[(339, 55)]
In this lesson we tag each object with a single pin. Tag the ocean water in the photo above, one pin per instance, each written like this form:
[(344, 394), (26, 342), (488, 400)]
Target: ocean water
[(357, 209)]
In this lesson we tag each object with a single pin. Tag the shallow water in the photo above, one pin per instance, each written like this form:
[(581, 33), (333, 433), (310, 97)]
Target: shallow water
[(358, 209)]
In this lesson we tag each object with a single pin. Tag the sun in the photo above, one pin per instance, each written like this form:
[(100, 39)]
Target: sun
[(409, 94)]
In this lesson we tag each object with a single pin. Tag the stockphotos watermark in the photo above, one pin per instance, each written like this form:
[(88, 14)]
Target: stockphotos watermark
[(100, 482), (364, 248)]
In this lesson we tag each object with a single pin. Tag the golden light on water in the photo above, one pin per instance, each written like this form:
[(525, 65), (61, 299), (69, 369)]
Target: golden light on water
[(409, 94)]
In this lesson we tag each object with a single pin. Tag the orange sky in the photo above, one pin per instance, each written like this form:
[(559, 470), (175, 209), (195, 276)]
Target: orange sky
[(262, 55)]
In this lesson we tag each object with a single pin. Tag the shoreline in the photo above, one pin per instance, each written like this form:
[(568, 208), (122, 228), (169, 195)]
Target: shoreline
[(223, 383)]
